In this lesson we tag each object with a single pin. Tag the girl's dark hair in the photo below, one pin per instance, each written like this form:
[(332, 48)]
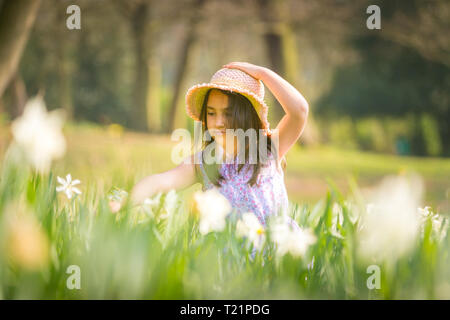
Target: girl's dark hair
[(243, 116)]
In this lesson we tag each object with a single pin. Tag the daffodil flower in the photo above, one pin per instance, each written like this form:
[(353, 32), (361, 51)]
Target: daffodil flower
[(213, 208), (151, 205), (438, 222), (390, 225), (295, 241), (39, 134), (250, 227), (68, 186)]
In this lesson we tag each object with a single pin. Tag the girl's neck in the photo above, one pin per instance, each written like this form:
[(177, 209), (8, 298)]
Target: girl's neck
[(228, 154)]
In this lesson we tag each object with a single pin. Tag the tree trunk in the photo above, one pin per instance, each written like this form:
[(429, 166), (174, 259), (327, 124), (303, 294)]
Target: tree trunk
[(182, 67), (18, 95), (65, 84), (179, 77), (417, 143), (64, 61), (269, 11), (154, 95), (139, 22), (293, 62), (16, 21)]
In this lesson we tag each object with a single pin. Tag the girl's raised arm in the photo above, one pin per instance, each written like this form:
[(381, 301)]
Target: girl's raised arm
[(294, 104)]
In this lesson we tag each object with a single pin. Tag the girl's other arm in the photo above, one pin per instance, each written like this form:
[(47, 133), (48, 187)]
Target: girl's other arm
[(177, 178)]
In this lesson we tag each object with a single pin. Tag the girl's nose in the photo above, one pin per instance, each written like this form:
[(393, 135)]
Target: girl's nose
[(221, 120)]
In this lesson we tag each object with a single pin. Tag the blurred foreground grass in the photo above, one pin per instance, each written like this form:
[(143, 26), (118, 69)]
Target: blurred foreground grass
[(159, 253)]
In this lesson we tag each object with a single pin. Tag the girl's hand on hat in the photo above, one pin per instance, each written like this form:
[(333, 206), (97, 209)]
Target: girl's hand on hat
[(255, 71)]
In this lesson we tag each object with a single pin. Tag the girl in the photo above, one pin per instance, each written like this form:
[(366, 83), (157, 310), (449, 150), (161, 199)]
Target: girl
[(234, 99)]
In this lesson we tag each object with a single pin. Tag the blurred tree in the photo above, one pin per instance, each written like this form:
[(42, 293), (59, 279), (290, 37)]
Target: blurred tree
[(154, 94), (19, 96), (66, 40), (274, 25), (103, 66), (420, 25), (285, 22), (16, 20), (137, 13), (47, 63), (193, 19), (391, 80), (397, 73)]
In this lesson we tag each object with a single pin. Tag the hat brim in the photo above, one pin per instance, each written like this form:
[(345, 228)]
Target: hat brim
[(196, 95)]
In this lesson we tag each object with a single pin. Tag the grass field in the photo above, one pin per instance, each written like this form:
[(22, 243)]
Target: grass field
[(161, 251), (116, 159)]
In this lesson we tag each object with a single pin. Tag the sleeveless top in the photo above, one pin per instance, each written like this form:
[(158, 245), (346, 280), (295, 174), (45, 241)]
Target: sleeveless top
[(268, 196)]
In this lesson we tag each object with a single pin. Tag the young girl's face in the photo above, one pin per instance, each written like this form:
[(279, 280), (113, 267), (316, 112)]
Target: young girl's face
[(217, 113), (218, 116)]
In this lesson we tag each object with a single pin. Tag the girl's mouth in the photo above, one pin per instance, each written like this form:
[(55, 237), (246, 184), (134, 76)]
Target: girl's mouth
[(218, 131)]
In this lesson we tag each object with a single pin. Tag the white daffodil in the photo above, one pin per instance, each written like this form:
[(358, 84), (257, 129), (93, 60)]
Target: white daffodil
[(152, 202), (291, 240), (438, 222), (170, 203), (213, 208), (149, 207), (39, 134), (390, 224), (337, 221), (353, 211), (250, 227), (68, 186)]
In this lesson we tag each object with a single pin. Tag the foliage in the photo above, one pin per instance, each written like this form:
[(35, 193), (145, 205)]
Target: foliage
[(160, 253), (403, 136), (390, 80)]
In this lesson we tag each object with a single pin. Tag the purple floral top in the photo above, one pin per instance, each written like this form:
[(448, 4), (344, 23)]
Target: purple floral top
[(267, 197)]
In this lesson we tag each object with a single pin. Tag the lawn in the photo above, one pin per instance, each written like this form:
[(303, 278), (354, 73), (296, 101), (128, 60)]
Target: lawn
[(117, 158), (56, 247)]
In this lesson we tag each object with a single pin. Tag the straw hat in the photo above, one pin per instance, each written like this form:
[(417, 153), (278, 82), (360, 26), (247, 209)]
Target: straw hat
[(233, 80)]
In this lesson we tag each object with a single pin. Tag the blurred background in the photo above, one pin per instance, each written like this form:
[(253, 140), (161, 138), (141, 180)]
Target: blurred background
[(379, 99)]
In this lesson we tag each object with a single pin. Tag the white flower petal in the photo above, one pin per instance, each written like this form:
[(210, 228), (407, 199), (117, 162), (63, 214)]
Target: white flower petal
[(61, 180), (391, 224), (39, 134), (213, 208)]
